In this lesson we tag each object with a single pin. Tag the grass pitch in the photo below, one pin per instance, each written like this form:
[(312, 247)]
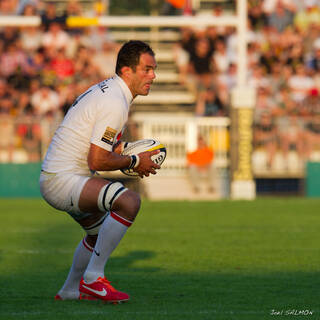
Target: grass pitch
[(180, 260)]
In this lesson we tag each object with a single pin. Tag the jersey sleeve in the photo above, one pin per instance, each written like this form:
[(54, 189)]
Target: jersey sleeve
[(109, 124)]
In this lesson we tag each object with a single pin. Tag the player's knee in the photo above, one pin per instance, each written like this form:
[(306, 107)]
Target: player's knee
[(128, 205), (109, 194), (133, 204)]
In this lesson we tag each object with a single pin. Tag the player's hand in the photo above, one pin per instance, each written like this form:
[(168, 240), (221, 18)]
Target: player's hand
[(146, 165)]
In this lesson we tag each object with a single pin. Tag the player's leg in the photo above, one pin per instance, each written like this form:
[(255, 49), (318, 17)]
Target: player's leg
[(91, 224), (62, 191), (81, 257), (123, 206), (194, 178)]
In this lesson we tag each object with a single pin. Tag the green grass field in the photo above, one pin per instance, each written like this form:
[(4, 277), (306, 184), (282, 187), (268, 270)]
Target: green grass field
[(180, 260)]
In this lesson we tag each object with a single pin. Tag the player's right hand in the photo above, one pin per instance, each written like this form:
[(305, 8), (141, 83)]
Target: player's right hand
[(146, 165)]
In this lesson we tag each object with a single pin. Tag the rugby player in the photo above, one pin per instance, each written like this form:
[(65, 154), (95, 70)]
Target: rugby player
[(88, 140)]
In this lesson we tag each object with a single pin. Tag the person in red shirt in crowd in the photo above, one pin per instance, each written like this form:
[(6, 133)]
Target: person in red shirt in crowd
[(62, 66)]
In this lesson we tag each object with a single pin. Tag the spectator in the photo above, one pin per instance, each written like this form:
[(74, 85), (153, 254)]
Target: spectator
[(8, 7), (9, 35), (30, 39), (267, 59), (85, 70), (253, 54), (295, 56), (62, 66), (209, 104), (284, 104), (68, 96), (300, 83), (172, 7), (265, 136), (220, 58), (258, 78), (25, 6), (12, 60), (45, 101), (314, 60), (276, 78), (6, 101), (292, 137), (308, 17), (228, 80), (265, 104), (105, 60), (49, 16), (200, 166), (24, 104), (256, 15), (201, 63), (269, 6), (55, 38), (280, 18), (29, 131), (37, 64), (182, 51), (310, 106)]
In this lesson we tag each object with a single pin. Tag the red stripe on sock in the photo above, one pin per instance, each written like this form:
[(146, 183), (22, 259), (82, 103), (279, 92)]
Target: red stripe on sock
[(125, 222), (86, 245)]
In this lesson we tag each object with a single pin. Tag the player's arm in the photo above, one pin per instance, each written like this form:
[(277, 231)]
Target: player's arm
[(118, 147), (100, 159)]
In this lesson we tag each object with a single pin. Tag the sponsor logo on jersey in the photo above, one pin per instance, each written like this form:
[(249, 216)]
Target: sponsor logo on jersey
[(109, 135)]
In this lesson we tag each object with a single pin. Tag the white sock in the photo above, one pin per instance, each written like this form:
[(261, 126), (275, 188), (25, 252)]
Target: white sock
[(111, 232), (82, 255)]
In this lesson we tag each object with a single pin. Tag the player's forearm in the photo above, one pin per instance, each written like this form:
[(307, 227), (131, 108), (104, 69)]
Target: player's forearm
[(102, 160), (112, 162)]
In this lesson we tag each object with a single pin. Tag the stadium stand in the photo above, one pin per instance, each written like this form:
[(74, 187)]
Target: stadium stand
[(283, 59)]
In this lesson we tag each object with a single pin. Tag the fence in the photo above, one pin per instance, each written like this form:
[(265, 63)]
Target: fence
[(179, 134)]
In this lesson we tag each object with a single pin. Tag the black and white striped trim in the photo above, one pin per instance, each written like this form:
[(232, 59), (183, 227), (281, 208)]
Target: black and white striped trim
[(94, 229)]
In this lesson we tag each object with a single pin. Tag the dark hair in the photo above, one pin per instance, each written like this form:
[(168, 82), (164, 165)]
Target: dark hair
[(129, 54)]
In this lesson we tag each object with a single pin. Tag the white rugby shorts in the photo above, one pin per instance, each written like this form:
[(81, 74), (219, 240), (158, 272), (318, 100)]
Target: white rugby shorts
[(62, 191)]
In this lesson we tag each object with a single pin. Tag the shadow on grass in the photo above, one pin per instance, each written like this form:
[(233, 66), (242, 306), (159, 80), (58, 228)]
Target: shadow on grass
[(159, 294), (34, 266)]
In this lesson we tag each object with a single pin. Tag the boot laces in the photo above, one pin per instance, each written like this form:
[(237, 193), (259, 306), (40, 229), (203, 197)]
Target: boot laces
[(107, 283)]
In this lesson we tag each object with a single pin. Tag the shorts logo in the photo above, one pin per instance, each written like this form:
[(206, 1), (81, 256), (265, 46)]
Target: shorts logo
[(109, 135)]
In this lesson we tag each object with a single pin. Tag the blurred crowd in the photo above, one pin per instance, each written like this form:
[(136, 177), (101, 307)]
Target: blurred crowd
[(283, 62), (43, 69)]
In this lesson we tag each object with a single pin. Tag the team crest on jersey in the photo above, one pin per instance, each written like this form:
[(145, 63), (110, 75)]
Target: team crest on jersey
[(109, 135)]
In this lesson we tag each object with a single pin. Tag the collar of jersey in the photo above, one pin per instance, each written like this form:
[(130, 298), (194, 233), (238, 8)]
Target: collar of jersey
[(125, 89)]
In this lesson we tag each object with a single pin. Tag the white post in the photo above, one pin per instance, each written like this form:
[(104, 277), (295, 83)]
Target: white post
[(243, 102)]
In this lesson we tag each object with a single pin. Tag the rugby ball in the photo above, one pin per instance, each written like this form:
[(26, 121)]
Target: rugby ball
[(136, 147)]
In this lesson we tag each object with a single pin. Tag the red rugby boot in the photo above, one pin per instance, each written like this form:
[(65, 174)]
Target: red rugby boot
[(102, 289)]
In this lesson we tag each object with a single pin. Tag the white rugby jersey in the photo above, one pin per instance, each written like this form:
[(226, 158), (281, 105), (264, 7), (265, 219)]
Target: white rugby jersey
[(97, 116)]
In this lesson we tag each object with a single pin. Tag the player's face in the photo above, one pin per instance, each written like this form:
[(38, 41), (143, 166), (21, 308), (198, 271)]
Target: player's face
[(143, 76)]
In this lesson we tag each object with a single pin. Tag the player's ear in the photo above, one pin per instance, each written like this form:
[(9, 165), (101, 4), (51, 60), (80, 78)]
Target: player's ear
[(126, 71)]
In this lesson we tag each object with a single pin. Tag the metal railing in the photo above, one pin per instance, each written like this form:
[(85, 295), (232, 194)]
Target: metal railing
[(179, 134)]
